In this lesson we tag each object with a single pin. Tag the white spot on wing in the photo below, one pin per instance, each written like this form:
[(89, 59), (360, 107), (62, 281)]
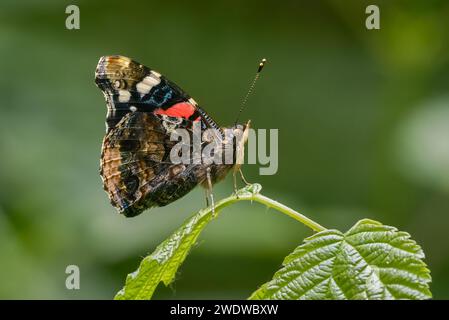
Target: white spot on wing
[(133, 108), (156, 74), (123, 96), (144, 86), (193, 102)]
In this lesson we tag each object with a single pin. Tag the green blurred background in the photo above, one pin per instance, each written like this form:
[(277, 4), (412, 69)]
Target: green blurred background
[(363, 119)]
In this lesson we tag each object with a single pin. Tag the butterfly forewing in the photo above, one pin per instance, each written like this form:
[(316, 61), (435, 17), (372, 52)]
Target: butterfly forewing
[(130, 86)]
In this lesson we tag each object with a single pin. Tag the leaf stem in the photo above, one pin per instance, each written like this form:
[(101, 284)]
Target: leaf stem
[(251, 193), (290, 212)]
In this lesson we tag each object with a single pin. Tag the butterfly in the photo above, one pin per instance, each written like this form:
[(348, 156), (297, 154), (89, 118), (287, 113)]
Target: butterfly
[(144, 109)]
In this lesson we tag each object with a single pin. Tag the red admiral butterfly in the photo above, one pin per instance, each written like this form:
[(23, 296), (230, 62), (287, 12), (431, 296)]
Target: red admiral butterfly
[(144, 109)]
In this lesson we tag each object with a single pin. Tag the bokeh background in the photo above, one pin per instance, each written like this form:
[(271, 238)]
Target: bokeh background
[(363, 119)]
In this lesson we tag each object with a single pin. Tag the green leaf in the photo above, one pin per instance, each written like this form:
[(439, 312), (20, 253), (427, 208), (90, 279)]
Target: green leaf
[(164, 262), (370, 261)]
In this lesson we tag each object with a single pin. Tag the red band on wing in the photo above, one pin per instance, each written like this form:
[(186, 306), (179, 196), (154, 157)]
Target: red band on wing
[(180, 110)]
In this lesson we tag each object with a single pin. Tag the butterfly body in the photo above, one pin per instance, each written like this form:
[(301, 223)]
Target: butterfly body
[(144, 110)]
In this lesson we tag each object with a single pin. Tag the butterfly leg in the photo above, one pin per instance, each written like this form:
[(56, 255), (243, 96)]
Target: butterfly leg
[(209, 190), (206, 192), (243, 177), (234, 176)]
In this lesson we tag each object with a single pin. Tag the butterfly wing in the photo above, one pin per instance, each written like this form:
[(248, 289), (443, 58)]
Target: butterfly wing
[(136, 168), (130, 86), (143, 109)]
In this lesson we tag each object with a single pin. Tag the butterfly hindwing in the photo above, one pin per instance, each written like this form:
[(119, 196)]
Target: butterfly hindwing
[(136, 168)]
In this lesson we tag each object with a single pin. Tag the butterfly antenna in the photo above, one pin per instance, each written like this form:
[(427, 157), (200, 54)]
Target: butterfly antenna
[(251, 88)]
